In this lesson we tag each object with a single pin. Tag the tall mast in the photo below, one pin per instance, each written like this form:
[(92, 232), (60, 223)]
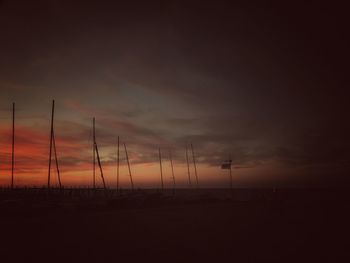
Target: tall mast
[(127, 159), (94, 154), (55, 153), (51, 135), (118, 164), (13, 145), (99, 164), (172, 168), (231, 184), (188, 167), (195, 166), (161, 168)]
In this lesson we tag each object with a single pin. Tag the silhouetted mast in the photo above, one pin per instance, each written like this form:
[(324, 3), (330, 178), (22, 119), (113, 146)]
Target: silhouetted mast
[(195, 166), (161, 168), (98, 158), (51, 136), (188, 167), (13, 145), (231, 184), (53, 145), (227, 165), (99, 164), (118, 164), (172, 168), (55, 152), (127, 159), (94, 154)]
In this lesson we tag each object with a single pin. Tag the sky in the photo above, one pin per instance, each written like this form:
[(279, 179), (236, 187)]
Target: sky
[(259, 83)]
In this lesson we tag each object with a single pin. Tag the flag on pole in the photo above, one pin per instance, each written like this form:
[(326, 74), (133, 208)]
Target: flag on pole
[(226, 164)]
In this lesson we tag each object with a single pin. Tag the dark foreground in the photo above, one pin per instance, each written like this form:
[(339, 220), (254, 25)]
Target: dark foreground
[(190, 226)]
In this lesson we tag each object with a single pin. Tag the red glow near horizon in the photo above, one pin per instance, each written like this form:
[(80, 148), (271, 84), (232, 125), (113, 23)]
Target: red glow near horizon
[(74, 149), (75, 162)]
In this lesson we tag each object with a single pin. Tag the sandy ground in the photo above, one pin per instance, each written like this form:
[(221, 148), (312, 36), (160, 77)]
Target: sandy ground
[(299, 226)]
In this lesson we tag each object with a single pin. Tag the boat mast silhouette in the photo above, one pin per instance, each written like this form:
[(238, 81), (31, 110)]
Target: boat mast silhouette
[(188, 168), (195, 166), (118, 163), (161, 168), (227, 164), (53, 145), (231, 183), (55, 153), (127, 159), (172, 169), (93, 155), (98, 159), (13, 145)]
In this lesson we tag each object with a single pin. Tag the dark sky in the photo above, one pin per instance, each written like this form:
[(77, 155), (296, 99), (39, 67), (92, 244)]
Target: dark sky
[(264, 83)]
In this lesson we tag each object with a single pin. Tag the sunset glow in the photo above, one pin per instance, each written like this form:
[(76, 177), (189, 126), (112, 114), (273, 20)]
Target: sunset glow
[(165, 78)]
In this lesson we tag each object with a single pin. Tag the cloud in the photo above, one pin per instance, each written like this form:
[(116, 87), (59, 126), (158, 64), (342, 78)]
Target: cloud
[(231, 81)]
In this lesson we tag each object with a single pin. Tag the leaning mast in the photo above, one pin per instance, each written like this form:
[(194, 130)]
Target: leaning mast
[(127, 159), (195, 166), (118, 158), (96, 153), (188, 167), (13, 146), (51, 136), (53, 148), (161, 168), (172, 168)]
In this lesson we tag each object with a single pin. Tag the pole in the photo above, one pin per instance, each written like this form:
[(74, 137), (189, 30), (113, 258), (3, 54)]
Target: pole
[(231, 184), (94, 154), (172, 168), (13, 145), (231, 178), (161, 169), (188, 168), (55, 153), (99, 164), (195, 166), (127, 159), (118, 166), (51, 135)]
